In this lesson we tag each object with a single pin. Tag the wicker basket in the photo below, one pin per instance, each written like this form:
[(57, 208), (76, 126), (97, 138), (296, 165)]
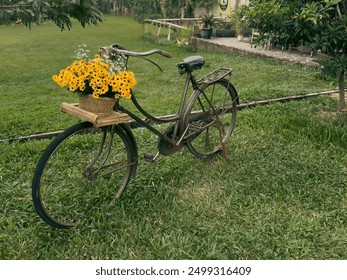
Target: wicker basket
[(102, 106)]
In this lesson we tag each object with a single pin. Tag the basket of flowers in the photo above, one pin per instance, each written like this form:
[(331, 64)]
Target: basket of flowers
[(99, 81)]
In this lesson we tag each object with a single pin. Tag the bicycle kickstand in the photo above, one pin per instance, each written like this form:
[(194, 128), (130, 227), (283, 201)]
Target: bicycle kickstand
[(150, 158), (224, 151)]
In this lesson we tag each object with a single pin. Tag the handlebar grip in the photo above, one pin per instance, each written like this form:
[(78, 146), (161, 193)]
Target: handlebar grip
[(106, 50), (164, 53), (118, 47), (113, 49)]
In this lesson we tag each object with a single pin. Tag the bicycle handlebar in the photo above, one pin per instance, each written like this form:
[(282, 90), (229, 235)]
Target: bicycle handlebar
[(118, 49)]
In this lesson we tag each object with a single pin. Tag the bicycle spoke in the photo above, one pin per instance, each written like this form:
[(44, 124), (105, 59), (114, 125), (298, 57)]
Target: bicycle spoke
[(210, 116)]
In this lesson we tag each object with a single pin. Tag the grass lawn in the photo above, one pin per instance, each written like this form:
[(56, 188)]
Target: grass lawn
[(281, 194)]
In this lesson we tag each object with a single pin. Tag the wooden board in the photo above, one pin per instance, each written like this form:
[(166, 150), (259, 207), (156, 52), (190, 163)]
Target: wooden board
[(98, 121)]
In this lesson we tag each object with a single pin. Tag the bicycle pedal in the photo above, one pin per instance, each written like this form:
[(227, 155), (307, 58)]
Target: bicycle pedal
[(150, 158)]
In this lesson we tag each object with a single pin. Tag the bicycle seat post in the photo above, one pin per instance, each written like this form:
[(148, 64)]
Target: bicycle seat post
[(187, 65), (183, 100), (194, 82)]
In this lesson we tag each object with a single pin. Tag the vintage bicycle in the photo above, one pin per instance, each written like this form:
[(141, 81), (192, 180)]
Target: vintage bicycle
[(101, 159)]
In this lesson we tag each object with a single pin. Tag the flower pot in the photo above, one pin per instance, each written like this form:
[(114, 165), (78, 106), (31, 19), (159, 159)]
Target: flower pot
[(206, 33), (223, 33), (101, 106)]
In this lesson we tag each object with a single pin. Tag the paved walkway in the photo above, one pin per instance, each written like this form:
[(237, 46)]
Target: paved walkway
[(233, 45)]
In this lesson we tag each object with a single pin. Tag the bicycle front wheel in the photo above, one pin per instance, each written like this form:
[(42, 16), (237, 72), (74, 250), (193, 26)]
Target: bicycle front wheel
[(80, 170), (210, 118)]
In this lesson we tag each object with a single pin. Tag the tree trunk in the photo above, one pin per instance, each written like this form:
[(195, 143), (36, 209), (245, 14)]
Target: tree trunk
[(342, 103), (114, 5)]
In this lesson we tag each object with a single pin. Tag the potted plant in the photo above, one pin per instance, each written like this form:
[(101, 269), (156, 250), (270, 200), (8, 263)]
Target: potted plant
[(97, 81), (207, 27), (223, 28)]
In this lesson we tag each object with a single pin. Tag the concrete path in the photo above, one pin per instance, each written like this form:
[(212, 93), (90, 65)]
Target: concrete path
[(233, 45)]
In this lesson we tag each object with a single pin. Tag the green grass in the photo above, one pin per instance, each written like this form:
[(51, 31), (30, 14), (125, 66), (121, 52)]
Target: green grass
[(281, 194), (31, 57)]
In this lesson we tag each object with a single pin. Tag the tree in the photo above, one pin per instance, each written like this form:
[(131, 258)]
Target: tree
[(174, 8), (143, 9), (329, 22), (276, 21), (59, 11), (207, 4), (322, 24), (121, 7)]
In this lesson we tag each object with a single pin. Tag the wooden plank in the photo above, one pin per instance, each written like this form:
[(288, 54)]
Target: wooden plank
[(166, 24), (169, 35), (98, 121), (74, 110)]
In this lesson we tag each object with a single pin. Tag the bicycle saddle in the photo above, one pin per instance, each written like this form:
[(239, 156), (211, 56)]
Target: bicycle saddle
[(190, 63)]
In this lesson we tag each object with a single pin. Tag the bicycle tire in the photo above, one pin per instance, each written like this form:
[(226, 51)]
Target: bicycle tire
[(210, 118), (64, 190)]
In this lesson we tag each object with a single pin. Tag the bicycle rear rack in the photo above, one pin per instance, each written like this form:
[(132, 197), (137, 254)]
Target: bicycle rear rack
[(215, 76)]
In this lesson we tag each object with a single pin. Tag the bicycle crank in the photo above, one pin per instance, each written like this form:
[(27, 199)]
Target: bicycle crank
[(164, 147)]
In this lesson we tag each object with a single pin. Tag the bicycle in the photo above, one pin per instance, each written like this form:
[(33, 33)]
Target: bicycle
[(85, 158)]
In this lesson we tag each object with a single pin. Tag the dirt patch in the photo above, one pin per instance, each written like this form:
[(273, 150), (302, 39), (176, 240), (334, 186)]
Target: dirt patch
[(337, 96)]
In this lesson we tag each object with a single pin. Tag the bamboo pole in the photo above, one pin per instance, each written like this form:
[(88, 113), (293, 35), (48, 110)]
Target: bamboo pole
[(133, 124), (284, 99)]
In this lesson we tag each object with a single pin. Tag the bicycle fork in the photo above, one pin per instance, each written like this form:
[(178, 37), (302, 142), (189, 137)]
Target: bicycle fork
[(92, 172)]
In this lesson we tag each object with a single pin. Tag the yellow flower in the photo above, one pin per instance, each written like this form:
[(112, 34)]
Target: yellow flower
[(96, 77)]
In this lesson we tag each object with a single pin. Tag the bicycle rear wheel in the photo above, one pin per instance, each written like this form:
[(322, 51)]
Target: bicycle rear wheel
[(80, 170), (210, 117)]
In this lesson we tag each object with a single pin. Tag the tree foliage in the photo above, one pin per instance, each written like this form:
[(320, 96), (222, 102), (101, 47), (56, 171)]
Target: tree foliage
[(167, 8), (321, 24), (329, 19), (89, 11), (143, 9), (163, 8), (176, 8), (59, 11)]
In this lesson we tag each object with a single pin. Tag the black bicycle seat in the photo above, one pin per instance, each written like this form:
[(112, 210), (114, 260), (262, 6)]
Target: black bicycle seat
[(190, 63)]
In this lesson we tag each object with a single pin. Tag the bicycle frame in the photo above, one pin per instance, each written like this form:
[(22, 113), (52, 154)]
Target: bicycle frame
[(176, 139), (149, 118)]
